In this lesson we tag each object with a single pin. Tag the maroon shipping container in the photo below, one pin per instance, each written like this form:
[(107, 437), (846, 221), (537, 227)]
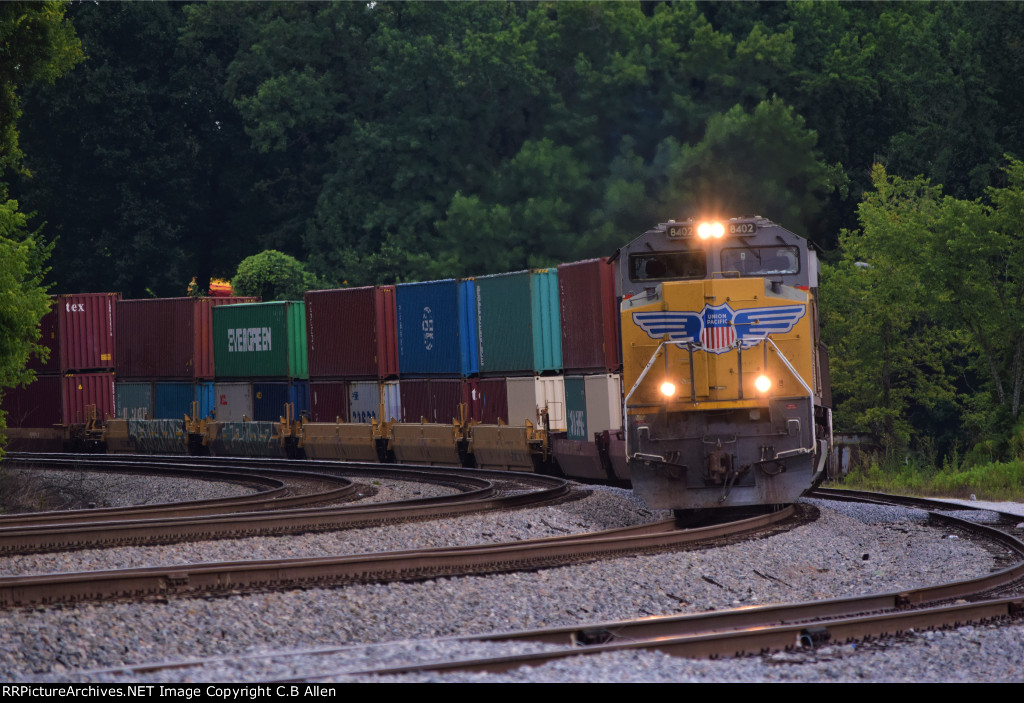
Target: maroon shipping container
[(87, 328), (328, 400), (487, 400), (436, 399), (38, 405), (83, 389), (167, 338), (352, 333), (590, 316), (48, 338)]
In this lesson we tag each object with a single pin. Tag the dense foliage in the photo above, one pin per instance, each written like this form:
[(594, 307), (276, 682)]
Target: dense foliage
[(379, 142), (36, 45)]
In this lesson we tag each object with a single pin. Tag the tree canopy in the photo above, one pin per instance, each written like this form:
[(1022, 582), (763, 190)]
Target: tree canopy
[(394, 141), (37, 44)]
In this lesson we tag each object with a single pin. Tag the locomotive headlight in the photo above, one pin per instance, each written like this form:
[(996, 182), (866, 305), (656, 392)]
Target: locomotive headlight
[(762, 383), (710, 230), (668, 389)]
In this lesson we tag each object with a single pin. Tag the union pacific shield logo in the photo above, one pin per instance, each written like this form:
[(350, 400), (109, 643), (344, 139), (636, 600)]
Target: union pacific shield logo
[(719, 328), (718, 334)]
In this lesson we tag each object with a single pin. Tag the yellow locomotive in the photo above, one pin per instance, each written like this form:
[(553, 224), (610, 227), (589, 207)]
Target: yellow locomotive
[(725, 381)]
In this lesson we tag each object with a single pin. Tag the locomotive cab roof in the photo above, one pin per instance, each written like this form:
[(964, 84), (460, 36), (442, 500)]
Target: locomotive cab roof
[(695, 249)]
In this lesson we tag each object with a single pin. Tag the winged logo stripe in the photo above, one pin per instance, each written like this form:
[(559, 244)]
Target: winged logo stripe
[(751, 325)]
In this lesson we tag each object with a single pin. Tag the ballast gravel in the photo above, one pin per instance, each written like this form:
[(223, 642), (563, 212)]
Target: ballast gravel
[(849, 550)]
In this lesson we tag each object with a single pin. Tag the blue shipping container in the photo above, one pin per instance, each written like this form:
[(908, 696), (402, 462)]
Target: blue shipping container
[(437, 328), (204, 394), (172, 401), (268, 399)]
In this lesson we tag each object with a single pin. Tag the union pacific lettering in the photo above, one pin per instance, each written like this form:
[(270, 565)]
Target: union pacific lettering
[(249, 339)]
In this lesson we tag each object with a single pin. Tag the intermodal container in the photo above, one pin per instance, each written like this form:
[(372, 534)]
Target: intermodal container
[(167, 338), (87, 327), (592, 405), (518, 321), (202, 332), (391, 394), (233, 401), (205, 394), (488, 400), (589, 315), (436, 400), (363, 401), (270, 397), (260, 340), (351, 333), (528, 396), (365, 398), (328, 401), (437, 333), (172, 401), (38, 405), (80, 391), (49, 338), (133, 399)]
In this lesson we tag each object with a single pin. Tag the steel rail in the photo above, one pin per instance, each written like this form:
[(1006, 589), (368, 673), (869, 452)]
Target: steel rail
[(477, 495), (774, 627), (749, 640), (388, 566)]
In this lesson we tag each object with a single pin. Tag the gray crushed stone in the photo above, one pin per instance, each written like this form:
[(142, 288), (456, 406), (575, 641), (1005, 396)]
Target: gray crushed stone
[(848, 551)]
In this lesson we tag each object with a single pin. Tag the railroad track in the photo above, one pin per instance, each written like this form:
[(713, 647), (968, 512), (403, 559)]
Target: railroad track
[(273, 512), (738, 632), (242, 576)]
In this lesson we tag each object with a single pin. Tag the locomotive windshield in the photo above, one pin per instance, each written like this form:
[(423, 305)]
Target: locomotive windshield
[(659, 266), (761, 261)]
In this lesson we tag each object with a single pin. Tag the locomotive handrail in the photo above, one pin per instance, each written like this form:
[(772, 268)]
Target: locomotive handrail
[(639, 380), (810, 394)]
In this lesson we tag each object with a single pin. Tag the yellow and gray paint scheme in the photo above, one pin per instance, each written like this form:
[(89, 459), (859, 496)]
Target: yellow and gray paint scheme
[(725, 381)]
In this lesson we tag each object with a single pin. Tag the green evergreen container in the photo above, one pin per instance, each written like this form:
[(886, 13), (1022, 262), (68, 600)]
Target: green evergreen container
[(519, 322), (260, 340)]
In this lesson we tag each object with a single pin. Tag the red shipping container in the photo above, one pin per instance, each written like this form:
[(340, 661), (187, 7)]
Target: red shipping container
[(167, 338), (86, 328), (487, 400), (48, 338), (328, 400), (352, 333), (590, 316), (78, 391), (437, 399), (38, 405)]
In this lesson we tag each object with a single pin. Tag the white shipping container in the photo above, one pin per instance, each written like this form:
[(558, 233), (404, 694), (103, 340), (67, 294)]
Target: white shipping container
[(528, 395), (604, 402), (364, 399), (390, 392), (232, 401)]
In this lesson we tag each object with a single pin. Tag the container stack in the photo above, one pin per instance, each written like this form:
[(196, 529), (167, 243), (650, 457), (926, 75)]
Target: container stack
[(80, 331), (520, 341), (592, 359), (353, 354), (165, 356), (260, 360), (437, 348)]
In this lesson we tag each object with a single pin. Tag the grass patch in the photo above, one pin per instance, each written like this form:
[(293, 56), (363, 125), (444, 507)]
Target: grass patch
[(993, 481)]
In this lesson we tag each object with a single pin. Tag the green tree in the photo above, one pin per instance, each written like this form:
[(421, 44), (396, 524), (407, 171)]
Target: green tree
[(272, 276), (36, 44), (929, 324)]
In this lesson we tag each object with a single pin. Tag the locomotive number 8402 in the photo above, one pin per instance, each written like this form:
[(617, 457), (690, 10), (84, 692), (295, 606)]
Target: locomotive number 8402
[(725, 381)]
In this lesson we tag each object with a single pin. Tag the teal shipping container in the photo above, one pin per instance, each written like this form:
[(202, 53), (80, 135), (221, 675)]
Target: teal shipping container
[(133, 400), (260, 340), (519, 322)]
